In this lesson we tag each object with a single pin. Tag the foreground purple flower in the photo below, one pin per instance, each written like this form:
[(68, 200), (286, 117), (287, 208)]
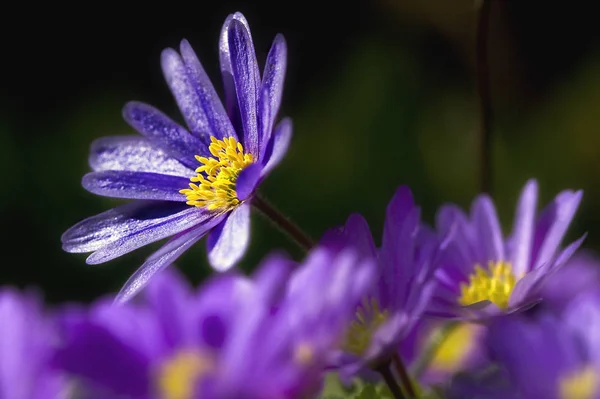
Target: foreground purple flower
[(187, 182), (552, 355), (405, 282), (482, 273), (260, 338), (27, 341)]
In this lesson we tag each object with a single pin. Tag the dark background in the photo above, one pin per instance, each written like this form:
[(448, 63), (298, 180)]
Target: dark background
[(381, 93)]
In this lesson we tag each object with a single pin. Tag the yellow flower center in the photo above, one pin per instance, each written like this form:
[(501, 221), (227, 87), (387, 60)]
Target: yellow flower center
[(494, 284), (369, 317), (178, 376), (584, 384), (455, 347), (217, 176)]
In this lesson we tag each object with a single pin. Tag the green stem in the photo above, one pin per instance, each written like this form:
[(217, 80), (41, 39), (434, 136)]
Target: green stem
[(284, 223), (385, 372), (404, 377)]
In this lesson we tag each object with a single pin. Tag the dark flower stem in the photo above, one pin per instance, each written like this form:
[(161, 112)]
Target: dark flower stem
[(284, 223), (404, 377), (388, 377), (485, 101)]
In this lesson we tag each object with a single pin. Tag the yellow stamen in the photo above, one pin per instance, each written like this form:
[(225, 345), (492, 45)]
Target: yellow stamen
[(217, 176), (584, 384), (495, 285), (369, 317), (177, 378)]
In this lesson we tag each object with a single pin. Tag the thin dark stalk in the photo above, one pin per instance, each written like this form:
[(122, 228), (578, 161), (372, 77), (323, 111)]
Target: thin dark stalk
[(405, 380), (284, 223), (385, 372), (485, 101)]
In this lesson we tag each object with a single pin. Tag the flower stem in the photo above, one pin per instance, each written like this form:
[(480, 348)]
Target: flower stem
[(388, 377), (485, 101), (284, 223), (404, 377)]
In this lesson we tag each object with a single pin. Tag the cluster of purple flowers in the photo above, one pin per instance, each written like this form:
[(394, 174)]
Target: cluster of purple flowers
[(454, 310)]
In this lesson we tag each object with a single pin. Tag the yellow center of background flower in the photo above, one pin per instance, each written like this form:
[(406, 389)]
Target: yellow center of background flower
[(454, 348), (178, 376), (369, 317), (584, 384), (495, 285), (217, 176)]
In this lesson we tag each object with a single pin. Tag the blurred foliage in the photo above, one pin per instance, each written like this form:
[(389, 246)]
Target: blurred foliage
[(395, 107)]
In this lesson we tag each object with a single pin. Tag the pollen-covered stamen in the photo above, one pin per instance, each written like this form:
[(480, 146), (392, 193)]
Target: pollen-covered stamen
[(583, 384), (216, 178), (494, 284), (178, 376), (369, 317)]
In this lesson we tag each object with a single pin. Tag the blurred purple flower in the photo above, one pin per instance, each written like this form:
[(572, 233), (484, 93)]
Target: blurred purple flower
[(580, 274), (187, 182), (552, 355), (260, 338), (27, 342), (484, 274), (405, 282)]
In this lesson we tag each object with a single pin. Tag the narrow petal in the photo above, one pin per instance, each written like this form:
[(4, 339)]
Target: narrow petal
[(165, 133), (488, 229), (452, 223), (228, 241), (522, 236), (247, 181), (135, 185), (271, 90), (98, 231), (278, 146), (180, 222), (165, 256), (553, 224), (135, 154), (195, 94), (245, 71), (226, 66)]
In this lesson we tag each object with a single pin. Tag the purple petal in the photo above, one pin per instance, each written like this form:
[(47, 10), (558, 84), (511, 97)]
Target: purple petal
[(195, 94), (522, 236), (553, 224), (116, 367), (226, 65), (271, 90), (453, 224), (162, 258), (135, 185), (247, 181), (98, 231), (245, 71), (271, 275), (488, 229), (228, 241), (135, 154), (278, 146), (139, 237), (165, 133)]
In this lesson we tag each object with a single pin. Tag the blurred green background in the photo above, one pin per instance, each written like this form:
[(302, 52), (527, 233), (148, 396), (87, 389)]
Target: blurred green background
[(381, 94)]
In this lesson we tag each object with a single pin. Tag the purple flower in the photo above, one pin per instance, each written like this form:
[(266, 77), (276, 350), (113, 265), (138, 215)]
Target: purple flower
[(260, 338), (550, 355), (405, 282), (580, 274), (27, 341), (187, 182), (482, 272)]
